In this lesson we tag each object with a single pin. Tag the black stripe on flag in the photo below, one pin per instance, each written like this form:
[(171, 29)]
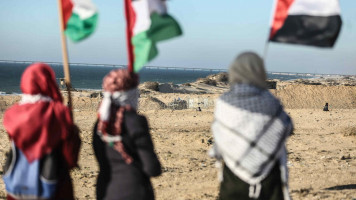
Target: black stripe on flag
[(309, 30)]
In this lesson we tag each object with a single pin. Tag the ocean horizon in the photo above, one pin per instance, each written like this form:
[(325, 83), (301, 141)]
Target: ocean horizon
[(90, 76)]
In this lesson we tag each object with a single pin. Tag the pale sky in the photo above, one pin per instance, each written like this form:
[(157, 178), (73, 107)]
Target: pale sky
[(215, 31)]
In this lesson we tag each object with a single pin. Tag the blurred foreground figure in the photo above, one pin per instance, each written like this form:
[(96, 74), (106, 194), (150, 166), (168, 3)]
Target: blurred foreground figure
[(250, 130), (45, 142), (122, 143)]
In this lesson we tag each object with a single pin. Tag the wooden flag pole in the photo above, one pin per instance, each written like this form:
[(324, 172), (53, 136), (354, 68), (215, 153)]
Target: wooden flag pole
[(64, 54), (130, 55)]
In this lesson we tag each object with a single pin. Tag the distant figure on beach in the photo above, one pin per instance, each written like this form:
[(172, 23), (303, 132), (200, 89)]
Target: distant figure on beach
[(122, 142), (326, 107), (250, 129), (45, 141)]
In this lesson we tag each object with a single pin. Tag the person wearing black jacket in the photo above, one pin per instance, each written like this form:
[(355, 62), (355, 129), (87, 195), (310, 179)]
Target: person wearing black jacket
[(122, 142)]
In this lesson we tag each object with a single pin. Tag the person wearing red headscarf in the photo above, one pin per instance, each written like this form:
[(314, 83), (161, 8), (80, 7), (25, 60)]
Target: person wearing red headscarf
[(122, 143), (40, 124)]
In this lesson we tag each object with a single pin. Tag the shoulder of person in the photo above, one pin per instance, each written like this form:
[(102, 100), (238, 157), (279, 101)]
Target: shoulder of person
[(133, 115), (135, 122)]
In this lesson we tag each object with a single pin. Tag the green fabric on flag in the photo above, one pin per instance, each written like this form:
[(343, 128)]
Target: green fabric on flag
[(78, 29), (163, 27), (145, 50)]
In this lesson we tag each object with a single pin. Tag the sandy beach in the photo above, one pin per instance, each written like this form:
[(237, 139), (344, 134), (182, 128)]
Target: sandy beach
[(321, 151)]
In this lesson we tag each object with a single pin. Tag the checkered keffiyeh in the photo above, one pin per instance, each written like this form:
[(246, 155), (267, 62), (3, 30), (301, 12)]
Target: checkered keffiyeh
[(250, 130), (120, 95)]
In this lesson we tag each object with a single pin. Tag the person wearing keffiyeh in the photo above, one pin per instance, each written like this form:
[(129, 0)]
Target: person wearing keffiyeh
[(122, 142), (250, 129), (40, 124)]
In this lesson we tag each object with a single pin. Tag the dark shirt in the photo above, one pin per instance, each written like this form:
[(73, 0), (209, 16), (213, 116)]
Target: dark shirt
[(118, 180), (232, 187)]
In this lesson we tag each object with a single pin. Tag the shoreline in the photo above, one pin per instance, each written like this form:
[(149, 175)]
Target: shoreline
[(347, 80), (340, 93), (294, 94)]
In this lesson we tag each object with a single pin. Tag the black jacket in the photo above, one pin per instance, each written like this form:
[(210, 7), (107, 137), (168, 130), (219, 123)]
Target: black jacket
[(118, 180)]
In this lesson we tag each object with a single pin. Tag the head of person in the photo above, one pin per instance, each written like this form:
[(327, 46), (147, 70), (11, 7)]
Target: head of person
[(121, 87), (39, 79), (120, 94), (248, 68), (39, 121)]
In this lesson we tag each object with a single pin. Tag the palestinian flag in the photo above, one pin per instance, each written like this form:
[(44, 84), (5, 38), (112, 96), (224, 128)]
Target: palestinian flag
[(80, 18), (306, 22), (147, 24)]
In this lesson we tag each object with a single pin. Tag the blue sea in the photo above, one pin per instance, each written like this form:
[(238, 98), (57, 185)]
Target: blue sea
[(89, 77)]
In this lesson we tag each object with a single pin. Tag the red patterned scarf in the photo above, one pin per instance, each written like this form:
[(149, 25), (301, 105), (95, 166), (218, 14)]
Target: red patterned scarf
[(120, 95)]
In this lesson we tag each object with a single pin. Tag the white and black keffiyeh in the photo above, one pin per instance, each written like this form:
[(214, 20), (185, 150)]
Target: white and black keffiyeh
[(122, 98), (120, 95), (250, 130)]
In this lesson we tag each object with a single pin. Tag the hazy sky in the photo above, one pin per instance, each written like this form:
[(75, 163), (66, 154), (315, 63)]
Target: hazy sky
[(215, 31)]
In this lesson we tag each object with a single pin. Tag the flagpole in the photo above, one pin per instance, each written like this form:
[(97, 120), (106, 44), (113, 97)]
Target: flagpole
[(130, 55), (64, 54)]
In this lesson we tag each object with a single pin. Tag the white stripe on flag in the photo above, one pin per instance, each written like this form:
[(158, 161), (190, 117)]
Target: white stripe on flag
[(143, 20), (143, 10), (322, 8), (84, 8)]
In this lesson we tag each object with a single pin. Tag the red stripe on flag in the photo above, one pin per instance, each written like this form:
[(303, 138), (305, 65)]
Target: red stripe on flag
[(280, 15), (130, 24), (67, 8)]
